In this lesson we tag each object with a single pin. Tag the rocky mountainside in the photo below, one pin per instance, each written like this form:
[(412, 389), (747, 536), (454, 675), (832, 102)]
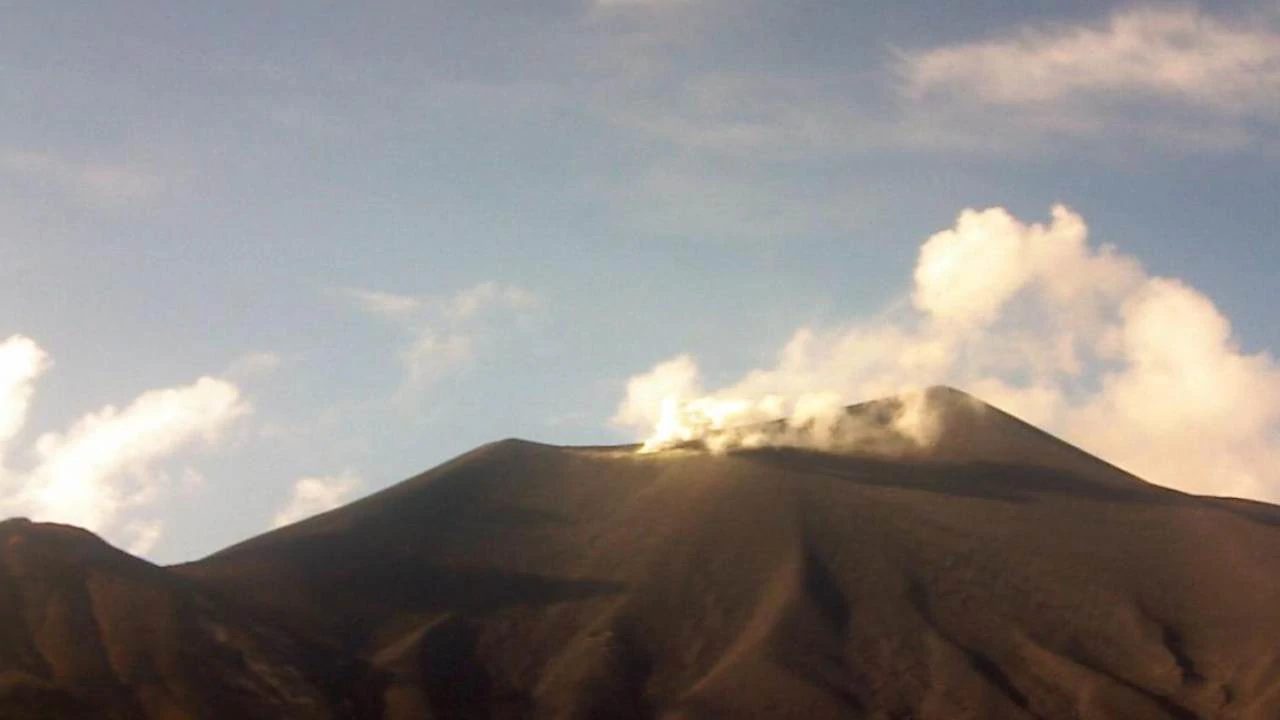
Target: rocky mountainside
[(998, 573)]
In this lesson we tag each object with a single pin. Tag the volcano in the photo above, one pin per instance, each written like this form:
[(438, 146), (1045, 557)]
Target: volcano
[(995, 573)]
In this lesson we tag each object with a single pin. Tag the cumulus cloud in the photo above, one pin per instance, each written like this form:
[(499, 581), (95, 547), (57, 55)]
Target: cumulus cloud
[(1085, 78), (104, 465), (1032, 317), (444, 331), (1193, 407), (22, 362), (315, 495)]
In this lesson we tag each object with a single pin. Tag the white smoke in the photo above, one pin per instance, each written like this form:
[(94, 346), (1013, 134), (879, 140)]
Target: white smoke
[(1141, 370), (669, 400)]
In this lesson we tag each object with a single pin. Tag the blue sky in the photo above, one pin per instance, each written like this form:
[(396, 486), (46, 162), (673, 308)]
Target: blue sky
[(389, 232)]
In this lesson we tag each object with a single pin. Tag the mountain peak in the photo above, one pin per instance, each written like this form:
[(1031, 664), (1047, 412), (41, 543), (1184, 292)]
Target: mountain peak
[(45, 543), (996, 562), (939, 423), (1017, 575)]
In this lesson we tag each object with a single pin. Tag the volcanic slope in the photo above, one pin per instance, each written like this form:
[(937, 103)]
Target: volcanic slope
[(87, 631), (1000, 573)]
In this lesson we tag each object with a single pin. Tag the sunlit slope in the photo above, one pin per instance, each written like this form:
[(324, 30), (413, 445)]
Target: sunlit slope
[(1000, 573)]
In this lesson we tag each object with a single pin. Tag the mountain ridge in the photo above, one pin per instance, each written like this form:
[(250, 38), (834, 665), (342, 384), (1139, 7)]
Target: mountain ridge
[(1007, 575)]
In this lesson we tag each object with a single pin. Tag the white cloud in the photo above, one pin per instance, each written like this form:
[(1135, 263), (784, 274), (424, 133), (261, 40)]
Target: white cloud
[(1178, 53), (104, 466), (471, 302), (389, 305), (1166, 77), (445, 331), (1193, 407), (1089, 79), (968, 274), (433, 355), (100, 184), (315, 495), (101, 465), (1141, 370), (22, 362)]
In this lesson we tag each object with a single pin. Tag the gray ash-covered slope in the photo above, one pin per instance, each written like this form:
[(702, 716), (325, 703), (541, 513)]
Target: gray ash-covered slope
[(998, 574)]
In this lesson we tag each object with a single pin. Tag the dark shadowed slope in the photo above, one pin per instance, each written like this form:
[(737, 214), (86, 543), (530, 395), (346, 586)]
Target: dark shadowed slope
[(1003, 574), (90, 632)]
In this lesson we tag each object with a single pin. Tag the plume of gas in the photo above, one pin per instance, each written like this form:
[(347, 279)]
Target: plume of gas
[(1141, 370), (819, 420)]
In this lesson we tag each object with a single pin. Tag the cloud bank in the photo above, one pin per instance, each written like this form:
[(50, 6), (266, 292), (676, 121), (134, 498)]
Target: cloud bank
[(1156, 76), (1176, 53), (103, 468), (1192, 75), (1141, 370)]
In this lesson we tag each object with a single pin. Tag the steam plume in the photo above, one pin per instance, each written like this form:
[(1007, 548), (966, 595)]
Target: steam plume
[(1141, 370)]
